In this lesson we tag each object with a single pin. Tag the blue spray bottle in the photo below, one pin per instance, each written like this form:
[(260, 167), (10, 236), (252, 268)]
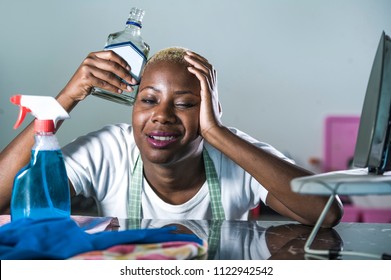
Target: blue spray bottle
[(41, 188)]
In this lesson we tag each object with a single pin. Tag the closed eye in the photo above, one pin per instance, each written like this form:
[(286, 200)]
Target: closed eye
[(148, 101), (185, 105)]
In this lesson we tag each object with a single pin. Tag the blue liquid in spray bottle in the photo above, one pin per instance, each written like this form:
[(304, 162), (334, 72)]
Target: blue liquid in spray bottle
[(41, 188)]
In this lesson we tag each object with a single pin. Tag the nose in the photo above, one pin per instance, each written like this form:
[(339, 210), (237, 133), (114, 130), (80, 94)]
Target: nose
[(164, 113)]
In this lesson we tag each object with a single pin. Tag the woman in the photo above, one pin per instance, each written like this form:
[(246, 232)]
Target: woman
[(177, 160)]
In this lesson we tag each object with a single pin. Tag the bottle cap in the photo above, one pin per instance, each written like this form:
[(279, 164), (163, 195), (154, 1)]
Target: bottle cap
[(135, 17), (44, 126)]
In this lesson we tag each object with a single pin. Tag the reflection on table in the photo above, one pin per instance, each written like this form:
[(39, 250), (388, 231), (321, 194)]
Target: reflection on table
[(235, 240)]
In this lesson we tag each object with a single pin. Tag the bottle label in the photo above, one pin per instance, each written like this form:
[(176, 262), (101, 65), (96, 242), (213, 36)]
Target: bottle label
[(133, 56)]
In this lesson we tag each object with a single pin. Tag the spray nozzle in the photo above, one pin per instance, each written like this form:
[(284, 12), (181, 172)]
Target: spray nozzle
[(44, 108), (22, 112)]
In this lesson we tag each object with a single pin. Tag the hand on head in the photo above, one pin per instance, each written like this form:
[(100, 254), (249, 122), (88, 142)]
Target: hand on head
[(210, 107)]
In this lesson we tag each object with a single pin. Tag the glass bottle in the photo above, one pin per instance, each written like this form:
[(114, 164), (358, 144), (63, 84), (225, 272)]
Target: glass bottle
[(130, 45)]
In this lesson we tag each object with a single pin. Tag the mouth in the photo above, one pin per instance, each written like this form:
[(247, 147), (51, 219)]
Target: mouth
[(161, 139)]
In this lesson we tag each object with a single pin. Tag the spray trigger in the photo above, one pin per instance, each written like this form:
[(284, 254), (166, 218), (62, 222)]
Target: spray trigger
[(22, 112), (43, 108)]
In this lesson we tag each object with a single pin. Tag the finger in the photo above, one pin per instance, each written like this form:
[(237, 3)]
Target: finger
[(105, 80), (197, 56), (208, 71), (202, 64), (207, 92), (108, 80), (111, 55), (202, 77), (198, 63), (112, 62)]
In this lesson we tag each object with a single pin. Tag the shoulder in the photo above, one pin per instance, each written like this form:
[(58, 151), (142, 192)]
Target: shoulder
[(120, 129), (108, 133), (116, 137)]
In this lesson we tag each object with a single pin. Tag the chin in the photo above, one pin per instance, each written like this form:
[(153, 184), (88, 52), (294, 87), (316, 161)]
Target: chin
[(160, 156)]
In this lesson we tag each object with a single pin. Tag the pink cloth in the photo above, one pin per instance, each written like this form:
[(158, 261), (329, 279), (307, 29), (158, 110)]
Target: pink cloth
[(158, 251)]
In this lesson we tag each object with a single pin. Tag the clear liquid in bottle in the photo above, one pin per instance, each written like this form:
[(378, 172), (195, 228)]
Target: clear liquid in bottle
[(130, 45)]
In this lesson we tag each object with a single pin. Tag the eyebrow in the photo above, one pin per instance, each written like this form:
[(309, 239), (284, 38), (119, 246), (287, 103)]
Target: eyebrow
[(178, 92), (149, 87)]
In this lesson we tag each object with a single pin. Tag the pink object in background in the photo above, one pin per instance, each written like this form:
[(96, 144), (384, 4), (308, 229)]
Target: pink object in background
[(339, 146), (340, 141), (356, 214)]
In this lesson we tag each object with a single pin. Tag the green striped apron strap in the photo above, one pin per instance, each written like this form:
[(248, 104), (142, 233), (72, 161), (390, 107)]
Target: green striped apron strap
[(214, 188), (214, 236), (134, 192), (217, 207)]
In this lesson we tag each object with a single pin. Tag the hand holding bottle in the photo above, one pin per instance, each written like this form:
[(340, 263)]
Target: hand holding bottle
[(103, 69)]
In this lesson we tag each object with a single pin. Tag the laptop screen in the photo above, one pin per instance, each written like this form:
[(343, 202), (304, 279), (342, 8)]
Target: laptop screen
[(373, 139)]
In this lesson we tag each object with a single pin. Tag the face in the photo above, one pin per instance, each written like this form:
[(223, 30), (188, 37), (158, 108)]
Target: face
[(165, 116)]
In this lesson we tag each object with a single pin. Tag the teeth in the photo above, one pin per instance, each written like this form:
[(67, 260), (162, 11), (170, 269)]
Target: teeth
[(163, 138)]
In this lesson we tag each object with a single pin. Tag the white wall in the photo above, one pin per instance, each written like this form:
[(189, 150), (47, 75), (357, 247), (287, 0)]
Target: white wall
[(283, 65)]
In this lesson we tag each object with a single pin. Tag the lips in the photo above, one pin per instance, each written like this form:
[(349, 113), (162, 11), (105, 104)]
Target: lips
[(162, 139)]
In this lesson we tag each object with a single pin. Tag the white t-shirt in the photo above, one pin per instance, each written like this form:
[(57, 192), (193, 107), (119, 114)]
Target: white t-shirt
[(100, 165)]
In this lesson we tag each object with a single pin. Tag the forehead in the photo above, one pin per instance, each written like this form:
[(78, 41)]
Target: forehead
[(168, 72)]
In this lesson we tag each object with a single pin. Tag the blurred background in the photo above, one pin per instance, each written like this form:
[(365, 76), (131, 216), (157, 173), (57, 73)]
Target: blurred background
[(283, 66)]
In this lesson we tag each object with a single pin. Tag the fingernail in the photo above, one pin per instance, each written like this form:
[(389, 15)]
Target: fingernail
[(128, 67), (129, 88), (119, 91)]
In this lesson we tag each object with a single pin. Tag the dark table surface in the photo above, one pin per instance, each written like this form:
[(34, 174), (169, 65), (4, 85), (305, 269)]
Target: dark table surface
[(232, 240)]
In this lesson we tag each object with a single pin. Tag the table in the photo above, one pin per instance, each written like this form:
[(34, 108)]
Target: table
[(234, 240), (259, 240)]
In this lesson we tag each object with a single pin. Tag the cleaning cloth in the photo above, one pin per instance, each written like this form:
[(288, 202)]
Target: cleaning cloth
[(62, 238)]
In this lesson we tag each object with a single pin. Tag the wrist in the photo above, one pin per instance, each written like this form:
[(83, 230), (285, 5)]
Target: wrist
[(66, 101), (214, 133)]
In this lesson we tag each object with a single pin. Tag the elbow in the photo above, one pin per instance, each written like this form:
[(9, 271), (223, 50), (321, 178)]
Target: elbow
[(332, 218), (334, 215)]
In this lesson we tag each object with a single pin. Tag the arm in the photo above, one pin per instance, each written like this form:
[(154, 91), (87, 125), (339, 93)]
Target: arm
[(100, 69), (273, 173)]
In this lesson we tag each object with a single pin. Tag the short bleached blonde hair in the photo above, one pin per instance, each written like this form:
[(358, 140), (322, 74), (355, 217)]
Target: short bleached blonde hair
[(171, 54)]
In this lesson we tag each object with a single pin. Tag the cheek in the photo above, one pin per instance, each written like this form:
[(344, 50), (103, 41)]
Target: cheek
[(139, 120), (192, 123), (139, 112)]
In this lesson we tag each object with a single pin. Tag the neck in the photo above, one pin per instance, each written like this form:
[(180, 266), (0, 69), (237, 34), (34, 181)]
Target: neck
[(177, 183)]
